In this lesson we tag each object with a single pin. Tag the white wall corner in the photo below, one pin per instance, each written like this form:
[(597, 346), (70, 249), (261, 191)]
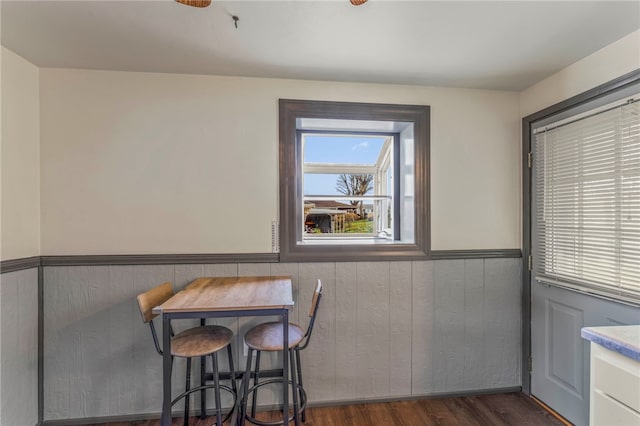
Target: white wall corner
[(608, 63)]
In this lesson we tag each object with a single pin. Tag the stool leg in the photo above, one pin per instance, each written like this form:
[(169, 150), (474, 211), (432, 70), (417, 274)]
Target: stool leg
[(254, 401), (299, 370), (203, 392), (232, 371), (186, 388), (294, 389), (245, 387), (216, 388)]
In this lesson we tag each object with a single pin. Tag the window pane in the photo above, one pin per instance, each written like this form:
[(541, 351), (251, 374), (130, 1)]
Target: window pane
[(356, 200), (342, 149)]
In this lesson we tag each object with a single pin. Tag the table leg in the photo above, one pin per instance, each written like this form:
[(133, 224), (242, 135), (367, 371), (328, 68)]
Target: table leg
[(285, 366), (166, 371)]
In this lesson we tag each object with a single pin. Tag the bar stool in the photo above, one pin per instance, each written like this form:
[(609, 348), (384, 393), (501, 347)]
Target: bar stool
[(268, 337), (202, 341)]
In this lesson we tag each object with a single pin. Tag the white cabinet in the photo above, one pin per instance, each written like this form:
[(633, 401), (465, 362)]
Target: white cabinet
[(615, 388), (615, 378)]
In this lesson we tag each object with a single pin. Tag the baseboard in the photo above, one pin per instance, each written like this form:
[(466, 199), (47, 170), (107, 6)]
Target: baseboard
[(432, 395), (129, 418), (551, 411)]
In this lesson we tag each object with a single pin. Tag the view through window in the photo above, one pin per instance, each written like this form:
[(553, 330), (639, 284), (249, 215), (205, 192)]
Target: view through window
[(348, 186)]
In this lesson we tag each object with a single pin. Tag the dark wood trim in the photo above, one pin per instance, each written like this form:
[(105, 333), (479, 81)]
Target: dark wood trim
[(604, 89), (14, 265), (610, 87), (526, 252), (325, 255), (475, 254), (158, 259), (379, 253), (290, 158)]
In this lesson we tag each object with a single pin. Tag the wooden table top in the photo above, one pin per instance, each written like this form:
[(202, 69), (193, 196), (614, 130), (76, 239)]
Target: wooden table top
[(231, 294)]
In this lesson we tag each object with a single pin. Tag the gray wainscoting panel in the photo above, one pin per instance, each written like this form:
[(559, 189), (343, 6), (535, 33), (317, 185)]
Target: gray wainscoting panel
[(422, 343), (99, 357), (384, 330), (1, 346), (346, 302), (147, 368), (372, 339), (319, 359), (448, 333), (474, 330), (503, 321), (19, 347), (400, 328)]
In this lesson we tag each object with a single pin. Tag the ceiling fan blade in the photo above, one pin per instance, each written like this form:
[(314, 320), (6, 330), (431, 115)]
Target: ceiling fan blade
[(195, 3), (357, 2)]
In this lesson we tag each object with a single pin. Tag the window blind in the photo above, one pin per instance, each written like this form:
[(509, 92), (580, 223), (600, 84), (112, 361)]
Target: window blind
[(587, 202)]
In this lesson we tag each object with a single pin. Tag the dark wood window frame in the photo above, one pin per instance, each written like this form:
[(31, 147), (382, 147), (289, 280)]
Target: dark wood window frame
[(290, 164)]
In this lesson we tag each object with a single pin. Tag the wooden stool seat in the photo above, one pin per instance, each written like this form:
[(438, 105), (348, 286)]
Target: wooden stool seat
[(269, 336), (200, 341)]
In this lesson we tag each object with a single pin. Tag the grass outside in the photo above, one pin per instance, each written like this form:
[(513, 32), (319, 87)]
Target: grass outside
[(363, 226)]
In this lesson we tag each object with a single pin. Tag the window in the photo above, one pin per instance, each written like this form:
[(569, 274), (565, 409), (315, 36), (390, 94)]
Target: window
[(353, 181), (587, 174)]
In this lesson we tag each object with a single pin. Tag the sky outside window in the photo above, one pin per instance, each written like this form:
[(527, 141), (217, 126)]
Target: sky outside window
[(337, 150)]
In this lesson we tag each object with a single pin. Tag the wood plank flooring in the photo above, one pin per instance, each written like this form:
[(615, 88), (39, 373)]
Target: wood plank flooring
[(490, 410)]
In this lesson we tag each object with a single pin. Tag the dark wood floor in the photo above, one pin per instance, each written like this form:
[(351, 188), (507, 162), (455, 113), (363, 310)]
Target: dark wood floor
[(491, 410)]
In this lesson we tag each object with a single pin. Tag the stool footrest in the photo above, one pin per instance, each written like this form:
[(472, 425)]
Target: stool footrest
[(303, 404), (199, 388)]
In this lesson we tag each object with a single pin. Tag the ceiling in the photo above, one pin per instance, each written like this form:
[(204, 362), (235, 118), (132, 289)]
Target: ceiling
[(507, 45)]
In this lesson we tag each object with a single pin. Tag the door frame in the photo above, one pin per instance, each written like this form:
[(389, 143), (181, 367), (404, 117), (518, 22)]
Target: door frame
[(582, 98)]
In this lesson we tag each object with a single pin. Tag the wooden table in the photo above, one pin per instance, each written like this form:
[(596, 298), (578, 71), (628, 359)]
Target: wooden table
[(226, 297)]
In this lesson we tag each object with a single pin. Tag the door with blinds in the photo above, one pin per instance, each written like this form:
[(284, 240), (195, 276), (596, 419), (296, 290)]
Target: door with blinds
[(585, 217)]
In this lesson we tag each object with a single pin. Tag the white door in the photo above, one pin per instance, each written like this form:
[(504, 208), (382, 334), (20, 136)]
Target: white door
[(584, 246)]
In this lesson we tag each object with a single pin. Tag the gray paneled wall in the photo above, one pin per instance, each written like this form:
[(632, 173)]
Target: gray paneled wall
[(384, 330), (19, 348)]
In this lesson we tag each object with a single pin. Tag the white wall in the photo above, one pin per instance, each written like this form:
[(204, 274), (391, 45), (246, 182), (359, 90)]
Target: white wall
[(20, 158), (20, 237), (160, 163), (610, 62)]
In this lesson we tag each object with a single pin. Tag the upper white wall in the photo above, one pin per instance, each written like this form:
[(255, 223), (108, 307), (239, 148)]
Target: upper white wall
[(165, 163), (20, 229), (612, 61)]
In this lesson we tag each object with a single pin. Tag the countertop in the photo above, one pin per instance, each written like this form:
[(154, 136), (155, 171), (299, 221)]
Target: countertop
[(624, 339)]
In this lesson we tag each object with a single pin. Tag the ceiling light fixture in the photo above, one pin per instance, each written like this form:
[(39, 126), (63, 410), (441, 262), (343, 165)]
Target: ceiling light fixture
[(195, 3), (357, 2)]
